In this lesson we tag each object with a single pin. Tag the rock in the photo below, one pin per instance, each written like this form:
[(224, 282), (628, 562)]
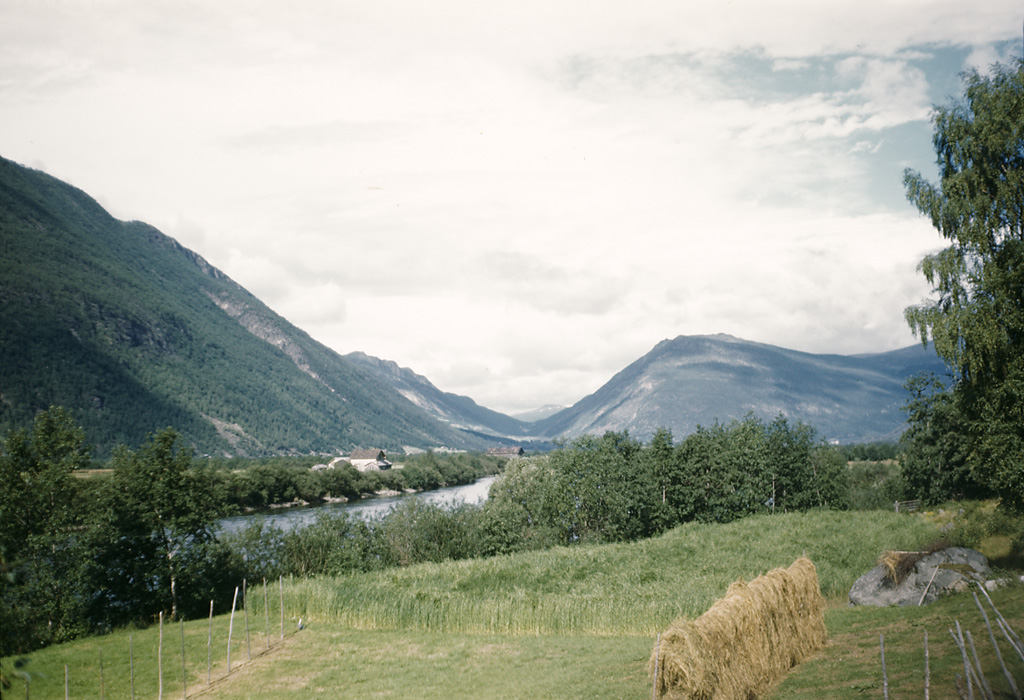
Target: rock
[(948, 570)]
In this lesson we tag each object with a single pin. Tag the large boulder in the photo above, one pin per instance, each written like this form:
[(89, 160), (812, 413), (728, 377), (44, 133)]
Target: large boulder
[(946, 571)]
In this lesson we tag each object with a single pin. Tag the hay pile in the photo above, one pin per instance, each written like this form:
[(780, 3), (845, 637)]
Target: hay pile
[(746, 641)]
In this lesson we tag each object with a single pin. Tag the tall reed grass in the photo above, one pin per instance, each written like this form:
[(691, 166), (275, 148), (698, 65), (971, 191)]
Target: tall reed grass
[(634, 589)]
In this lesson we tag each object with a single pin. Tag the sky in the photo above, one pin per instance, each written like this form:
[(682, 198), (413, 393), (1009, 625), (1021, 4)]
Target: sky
[(515, 198)]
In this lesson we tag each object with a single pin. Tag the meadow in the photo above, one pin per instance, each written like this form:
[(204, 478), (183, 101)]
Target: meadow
[(569, 622)]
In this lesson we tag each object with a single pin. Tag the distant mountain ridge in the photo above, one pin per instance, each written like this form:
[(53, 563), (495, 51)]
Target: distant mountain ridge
[(460, 411), (697, 380), (133, 332)]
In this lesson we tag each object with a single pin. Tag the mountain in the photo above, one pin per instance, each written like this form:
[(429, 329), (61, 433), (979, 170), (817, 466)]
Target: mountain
[(133, 332), (545, 411), (697, 380), (459, 411)]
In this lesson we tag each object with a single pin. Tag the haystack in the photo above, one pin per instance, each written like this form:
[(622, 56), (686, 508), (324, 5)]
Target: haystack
[(746, 641)]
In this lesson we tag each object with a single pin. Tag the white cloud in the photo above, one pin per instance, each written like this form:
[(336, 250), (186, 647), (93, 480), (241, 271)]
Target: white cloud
[(515, 200)]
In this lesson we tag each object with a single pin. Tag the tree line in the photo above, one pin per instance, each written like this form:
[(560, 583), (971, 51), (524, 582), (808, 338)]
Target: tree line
[(611, 488), (83, 555)]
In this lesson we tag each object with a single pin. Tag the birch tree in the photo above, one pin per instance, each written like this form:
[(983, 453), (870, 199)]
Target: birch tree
[(976, 318)]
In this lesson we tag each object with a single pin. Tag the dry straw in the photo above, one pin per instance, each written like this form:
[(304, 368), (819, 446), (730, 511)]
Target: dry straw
[(747, 641)]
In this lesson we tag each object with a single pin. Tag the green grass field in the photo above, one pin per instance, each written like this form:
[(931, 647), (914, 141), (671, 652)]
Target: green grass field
[(574, 622)]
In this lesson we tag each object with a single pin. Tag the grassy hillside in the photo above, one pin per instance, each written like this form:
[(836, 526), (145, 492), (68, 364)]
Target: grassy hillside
[(565, 623), (620, 589), (132, 332)]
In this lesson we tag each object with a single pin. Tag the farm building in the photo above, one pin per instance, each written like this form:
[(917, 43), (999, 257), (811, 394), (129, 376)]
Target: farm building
[(510, 452), (369, 460)]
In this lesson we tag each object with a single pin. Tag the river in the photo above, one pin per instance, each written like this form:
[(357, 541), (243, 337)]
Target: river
[(292, 518)]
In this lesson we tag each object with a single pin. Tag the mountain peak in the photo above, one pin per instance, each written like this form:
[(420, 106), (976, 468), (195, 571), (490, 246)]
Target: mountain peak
[(690, 381)]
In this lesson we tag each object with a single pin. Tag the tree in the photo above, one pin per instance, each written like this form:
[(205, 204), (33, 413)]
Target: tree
[(794, 477), (39, 559), (977, 320), (158, 529), (934, 460)]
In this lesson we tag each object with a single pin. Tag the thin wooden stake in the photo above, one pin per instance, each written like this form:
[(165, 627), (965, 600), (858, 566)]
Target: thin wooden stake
[(245, 613), (160, 660), (266, 610), (100, 653), (209, 646), (657, 658), (184, 674), (885, 675), (982, 681), (65, 682), (131, 668), (968, 671), (1019, 645), (231, 626), (921, 602), (927, 670), (999, 654), (280, 586), (1013, 644)]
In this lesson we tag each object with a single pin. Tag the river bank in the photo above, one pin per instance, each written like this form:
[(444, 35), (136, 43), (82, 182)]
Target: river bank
[(299, 516)]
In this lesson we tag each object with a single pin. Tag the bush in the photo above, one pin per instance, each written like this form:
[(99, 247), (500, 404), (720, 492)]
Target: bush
[(875, 485)]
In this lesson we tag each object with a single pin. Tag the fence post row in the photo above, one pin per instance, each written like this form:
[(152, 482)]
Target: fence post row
[(184, 660)]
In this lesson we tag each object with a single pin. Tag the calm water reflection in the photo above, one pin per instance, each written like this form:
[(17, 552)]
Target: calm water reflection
[(292, 518)]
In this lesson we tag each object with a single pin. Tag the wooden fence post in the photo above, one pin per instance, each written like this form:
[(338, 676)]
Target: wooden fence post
[(160, 660), (885, 676), (280, 586), (209, 646), (184, 673), (266, 610), (231, 626), (131, 668), (927, 670), (245, 613)]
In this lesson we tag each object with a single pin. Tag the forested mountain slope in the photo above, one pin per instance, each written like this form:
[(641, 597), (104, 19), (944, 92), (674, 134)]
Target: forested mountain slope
[(696, 380), (132, 332)]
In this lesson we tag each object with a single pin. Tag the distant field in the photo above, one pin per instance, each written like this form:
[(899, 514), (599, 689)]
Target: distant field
[(92, 473), (566, 623)]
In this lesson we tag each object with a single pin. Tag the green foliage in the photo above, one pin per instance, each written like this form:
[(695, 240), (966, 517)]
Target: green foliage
[(727, 472), (977, 321), (614, 488), (934, 460), (41, 595), (154, 535), (876, 485), (979, 524), (869, 452)]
